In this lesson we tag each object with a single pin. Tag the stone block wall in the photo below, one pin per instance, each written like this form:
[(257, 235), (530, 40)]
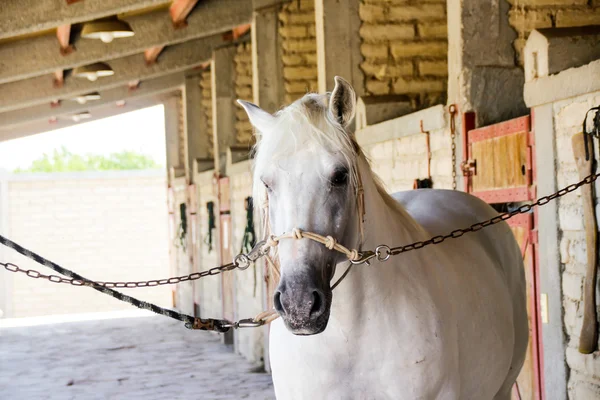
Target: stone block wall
[(243, 91), (206, 85), (398, 162), (207, 291), (397, 149), (298, 37), (405, 45), (109, 226), (527, 15), (584, 376), (248, 283)]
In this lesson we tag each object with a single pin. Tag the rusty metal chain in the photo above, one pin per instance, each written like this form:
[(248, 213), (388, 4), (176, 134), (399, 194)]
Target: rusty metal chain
[(242, 261), (32, 273), (452, 110), (383, 252)]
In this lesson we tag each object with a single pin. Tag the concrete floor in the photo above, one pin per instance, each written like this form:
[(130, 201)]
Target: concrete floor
[(148, 358)]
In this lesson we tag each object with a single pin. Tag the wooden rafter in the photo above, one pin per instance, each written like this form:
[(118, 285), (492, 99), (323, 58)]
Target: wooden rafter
[(133, 85), (237, 32), (151, 54), (179, 11), (59, 78), (63, 34)]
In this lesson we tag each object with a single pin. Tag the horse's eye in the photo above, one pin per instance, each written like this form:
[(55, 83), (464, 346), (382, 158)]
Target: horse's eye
[(339, 178)]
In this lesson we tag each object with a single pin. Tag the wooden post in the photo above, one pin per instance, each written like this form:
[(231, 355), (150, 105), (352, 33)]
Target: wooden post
[(173, 144), (267, 64), (195, 124), (338, 43), (223, 98)]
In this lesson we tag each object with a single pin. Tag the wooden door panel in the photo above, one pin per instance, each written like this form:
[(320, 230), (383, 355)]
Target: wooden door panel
[(526, 381), (501, 162), (502, 157)]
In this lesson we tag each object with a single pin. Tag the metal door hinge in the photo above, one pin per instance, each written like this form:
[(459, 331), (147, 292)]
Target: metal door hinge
[(468, 167)]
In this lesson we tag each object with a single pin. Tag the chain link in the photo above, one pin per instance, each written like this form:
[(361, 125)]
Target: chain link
[(524, 209), (242, 261), (452, 110)]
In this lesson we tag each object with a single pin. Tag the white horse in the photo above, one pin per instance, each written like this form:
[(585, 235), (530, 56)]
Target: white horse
[(445, 322)]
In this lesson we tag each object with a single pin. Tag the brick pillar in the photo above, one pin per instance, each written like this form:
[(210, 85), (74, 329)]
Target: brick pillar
[(482, 71)]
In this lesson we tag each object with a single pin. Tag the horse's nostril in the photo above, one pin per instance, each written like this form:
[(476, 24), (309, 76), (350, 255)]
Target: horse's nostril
[(277, 303), (317, 306)]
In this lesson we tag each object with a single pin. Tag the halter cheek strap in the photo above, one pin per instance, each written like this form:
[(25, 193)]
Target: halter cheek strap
[(328, 241)]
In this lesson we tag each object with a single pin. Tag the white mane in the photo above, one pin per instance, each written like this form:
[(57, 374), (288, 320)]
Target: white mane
[(307, 120)]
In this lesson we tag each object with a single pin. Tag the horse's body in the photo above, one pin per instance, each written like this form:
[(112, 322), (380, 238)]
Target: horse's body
[(444, 322)]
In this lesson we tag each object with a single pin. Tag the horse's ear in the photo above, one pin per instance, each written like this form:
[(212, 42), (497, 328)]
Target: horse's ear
[(342, 102), (259, 118)]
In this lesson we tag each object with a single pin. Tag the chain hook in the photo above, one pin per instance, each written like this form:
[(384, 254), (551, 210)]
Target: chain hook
[(364, 257)]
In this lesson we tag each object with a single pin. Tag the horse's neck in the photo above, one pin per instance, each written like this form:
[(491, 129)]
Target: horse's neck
[(385, 224)]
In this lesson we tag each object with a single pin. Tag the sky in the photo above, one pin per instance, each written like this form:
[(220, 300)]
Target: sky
[(142, 131)]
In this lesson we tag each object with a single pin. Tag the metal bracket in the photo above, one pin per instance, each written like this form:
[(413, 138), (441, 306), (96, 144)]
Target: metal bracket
[(469, 167)]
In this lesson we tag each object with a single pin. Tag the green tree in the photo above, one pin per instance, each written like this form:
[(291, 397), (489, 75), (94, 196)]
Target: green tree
[(64, 161)]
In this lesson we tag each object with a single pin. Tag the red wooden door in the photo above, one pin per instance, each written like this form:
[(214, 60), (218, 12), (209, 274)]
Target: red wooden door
[(499, 168)]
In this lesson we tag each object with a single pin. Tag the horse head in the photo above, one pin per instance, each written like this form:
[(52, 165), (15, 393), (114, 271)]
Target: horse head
[(306, 178)]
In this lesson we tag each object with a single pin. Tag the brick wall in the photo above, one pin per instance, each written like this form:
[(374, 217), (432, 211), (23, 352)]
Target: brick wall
[(297, 31), (248, 283), (526, 15), (397, 149), (405, 45), (398, 162), (105, 226), (584, 377), (243, 91), (206, 85)]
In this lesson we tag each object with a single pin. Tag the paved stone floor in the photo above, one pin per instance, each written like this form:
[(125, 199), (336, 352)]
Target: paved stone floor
[(148, 358)]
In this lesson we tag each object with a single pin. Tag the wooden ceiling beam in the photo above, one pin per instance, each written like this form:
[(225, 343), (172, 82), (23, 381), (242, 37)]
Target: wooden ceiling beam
[(39, 90), (43, 15), (35, 56), (150, 87), (151, 54), (179, 10), (63, 34), (59, 78)]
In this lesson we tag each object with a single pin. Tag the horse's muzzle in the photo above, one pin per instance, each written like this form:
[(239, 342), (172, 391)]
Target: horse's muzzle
[(303, 306)]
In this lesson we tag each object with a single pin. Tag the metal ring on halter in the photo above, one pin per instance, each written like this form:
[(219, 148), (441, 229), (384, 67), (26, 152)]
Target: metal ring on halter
[(363, 258), (383, 255), (242, 261)]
